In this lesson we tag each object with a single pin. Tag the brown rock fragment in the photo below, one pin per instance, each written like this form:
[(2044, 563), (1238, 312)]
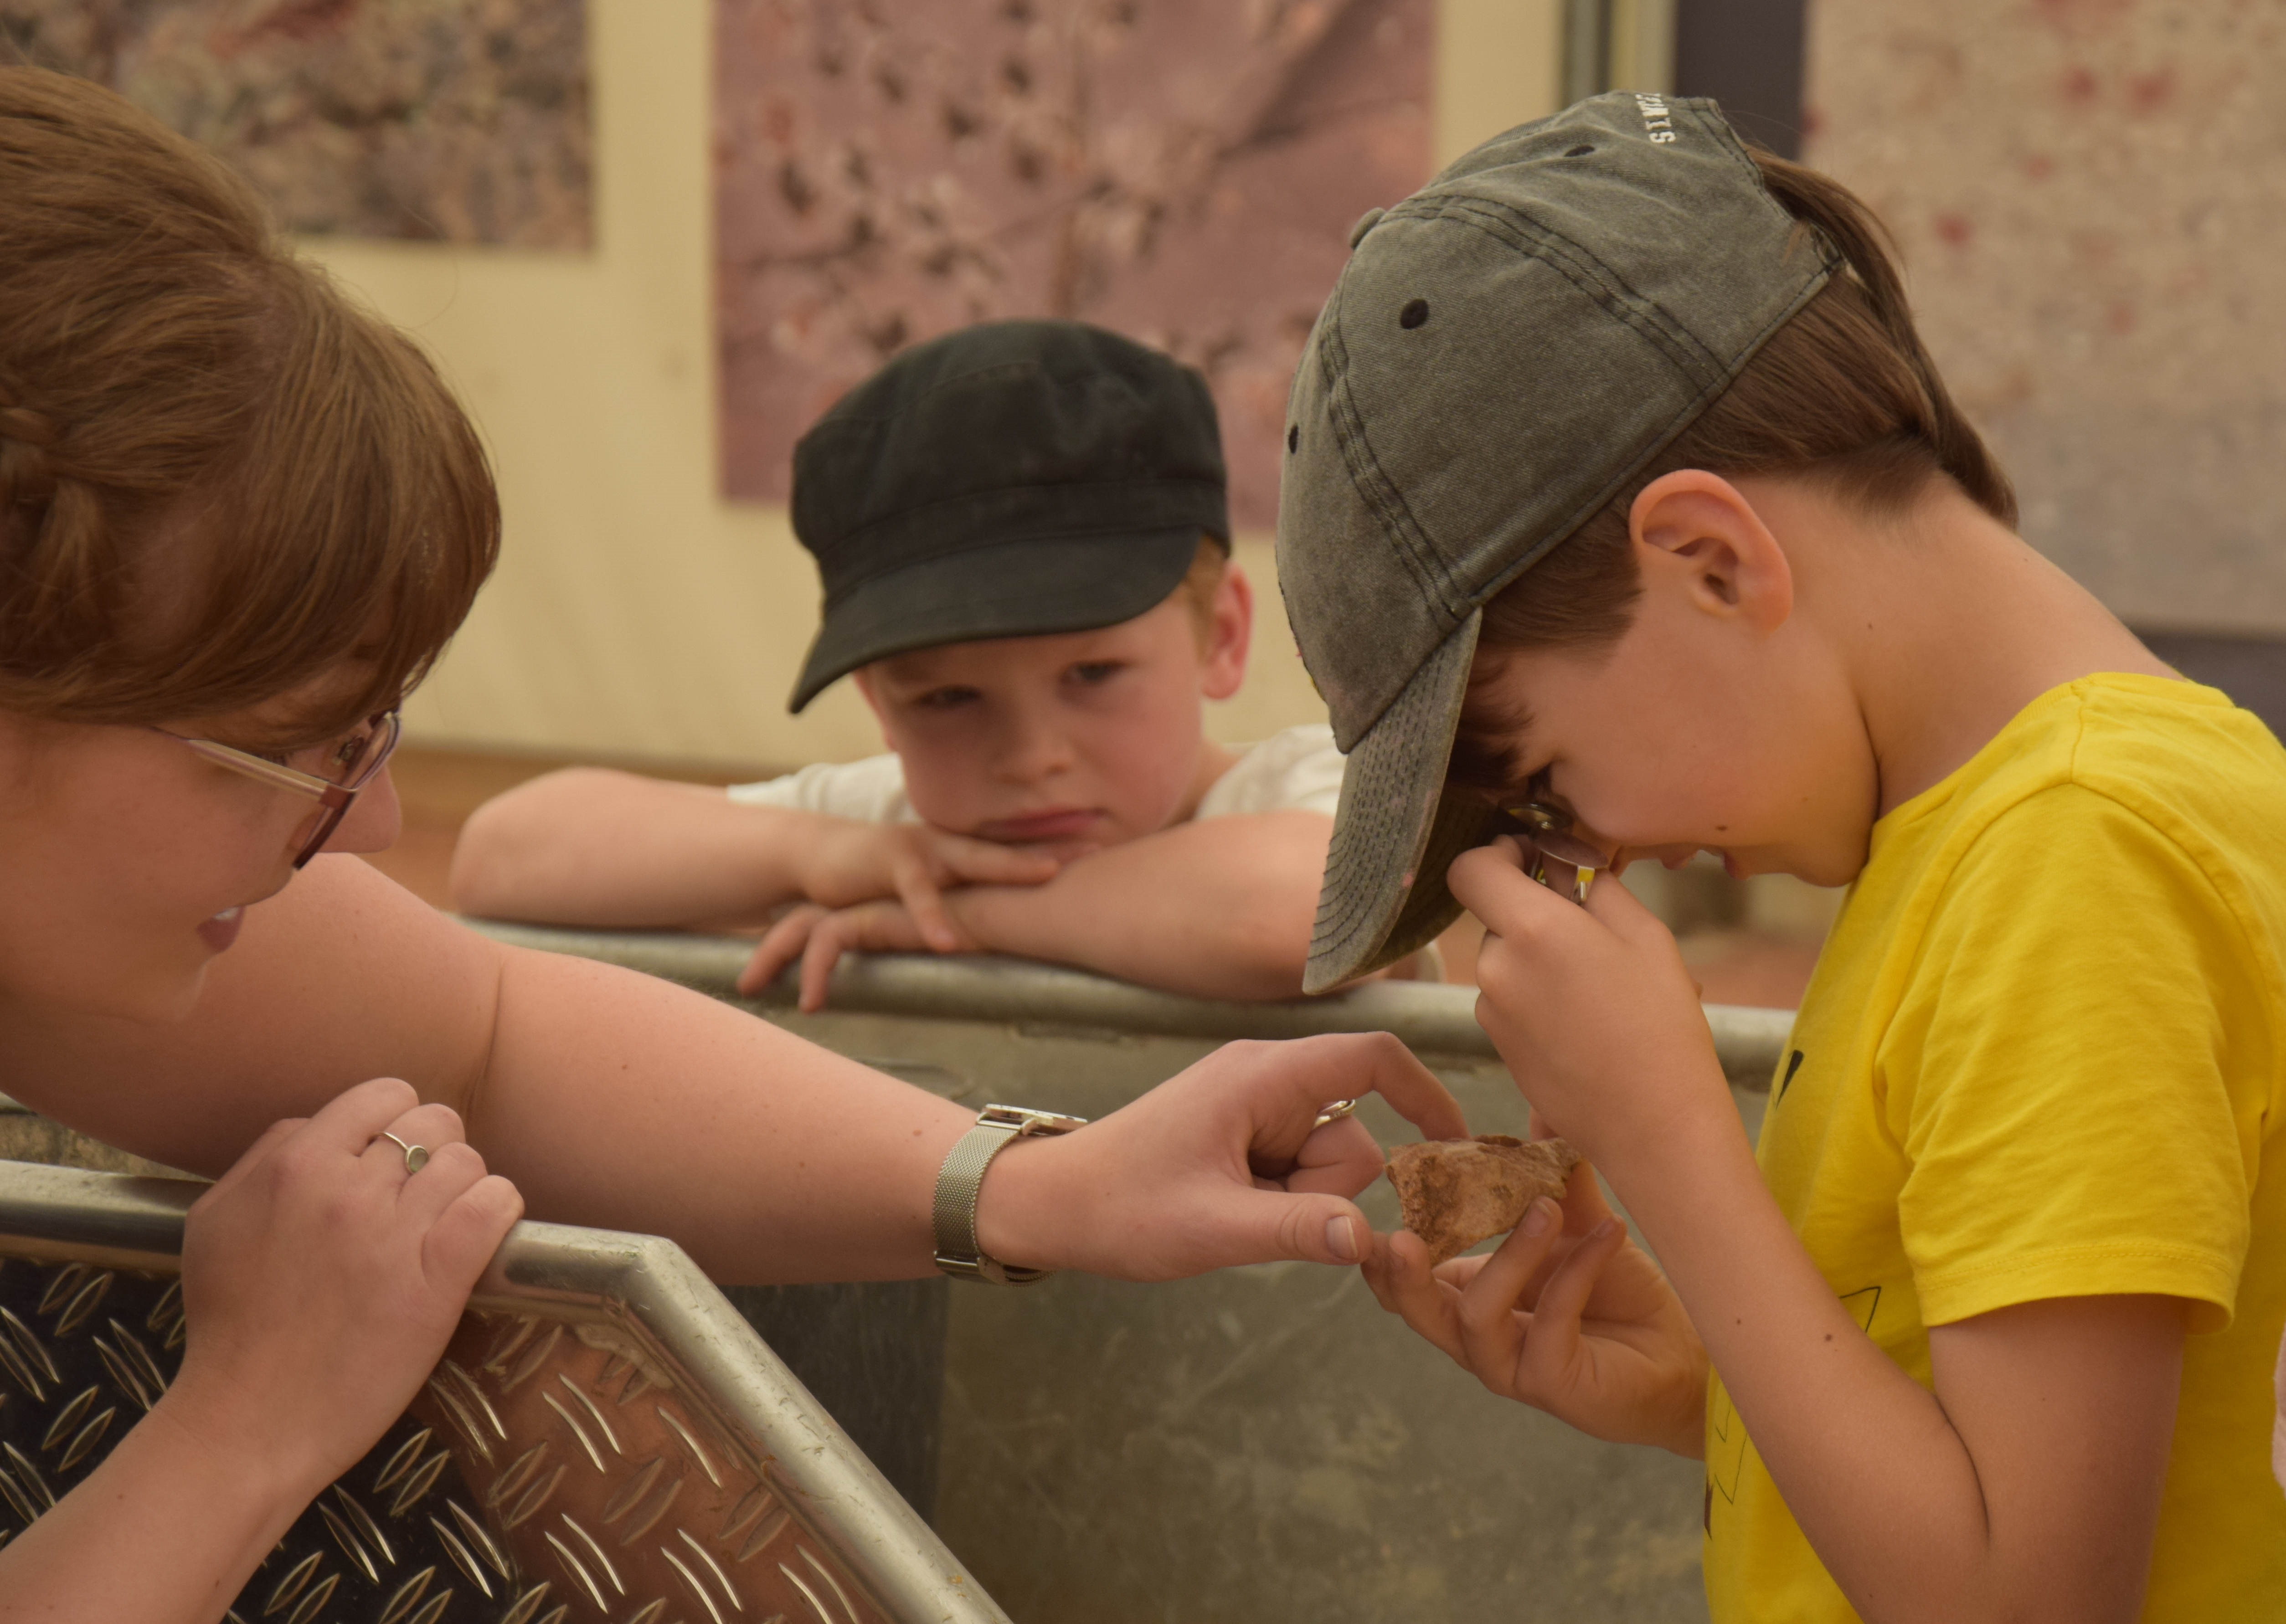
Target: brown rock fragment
[(1455, 1193)]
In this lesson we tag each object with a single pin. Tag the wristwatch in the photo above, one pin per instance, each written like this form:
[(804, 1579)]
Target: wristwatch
[(962, 1177)]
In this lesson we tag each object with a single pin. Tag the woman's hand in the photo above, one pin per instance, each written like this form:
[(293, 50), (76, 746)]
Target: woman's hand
[(1223, 1163), (912, 865), (819, 936), (321, 1281), (1594, 1012), (1568, 1315)]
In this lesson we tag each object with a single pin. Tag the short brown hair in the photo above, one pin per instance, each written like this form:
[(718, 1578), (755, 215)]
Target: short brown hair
[(1201, 581), (191, 413), (1844, 394)]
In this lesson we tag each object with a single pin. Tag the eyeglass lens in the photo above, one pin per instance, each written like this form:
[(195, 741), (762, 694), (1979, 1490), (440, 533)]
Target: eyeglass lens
[(361, 757)]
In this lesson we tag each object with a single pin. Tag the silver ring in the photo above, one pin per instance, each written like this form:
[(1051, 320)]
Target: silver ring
[(1335, 1113), (416, 1156)]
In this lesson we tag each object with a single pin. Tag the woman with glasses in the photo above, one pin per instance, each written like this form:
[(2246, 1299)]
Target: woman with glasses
[(238, 517)]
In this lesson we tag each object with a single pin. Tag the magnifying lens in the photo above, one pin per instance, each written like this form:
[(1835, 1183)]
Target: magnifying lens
[(1555, 849)]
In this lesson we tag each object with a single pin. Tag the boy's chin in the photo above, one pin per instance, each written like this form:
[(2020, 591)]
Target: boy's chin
[(1823, 870)]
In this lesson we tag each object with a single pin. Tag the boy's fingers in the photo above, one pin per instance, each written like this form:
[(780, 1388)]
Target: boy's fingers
[(916, 889), (1491, 883), (1584, 1206), (1491, 1334), (777, 948), (1412, 1293), (1458, 1272), (818, 958), (990, 863), (1623, 912), (1554, 1347), (1375, 1267)]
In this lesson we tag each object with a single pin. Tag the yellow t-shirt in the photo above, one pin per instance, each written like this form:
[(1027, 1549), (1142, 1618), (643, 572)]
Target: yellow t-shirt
[(2041, 1057)]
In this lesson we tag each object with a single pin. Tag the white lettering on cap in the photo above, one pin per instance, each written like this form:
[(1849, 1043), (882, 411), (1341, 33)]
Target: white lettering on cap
[(1658, 124)]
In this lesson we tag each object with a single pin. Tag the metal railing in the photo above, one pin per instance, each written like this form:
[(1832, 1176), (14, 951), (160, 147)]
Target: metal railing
[(604, 1424), (1428, 1017)]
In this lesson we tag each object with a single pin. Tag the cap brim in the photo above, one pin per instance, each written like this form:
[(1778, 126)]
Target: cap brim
[(1396, 831), (1015, 589)]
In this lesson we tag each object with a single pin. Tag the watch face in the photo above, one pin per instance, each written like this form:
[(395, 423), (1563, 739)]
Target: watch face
[(1026, 1121)]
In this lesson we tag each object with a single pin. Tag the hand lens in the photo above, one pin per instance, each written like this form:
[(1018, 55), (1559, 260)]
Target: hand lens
[(1549, 830)]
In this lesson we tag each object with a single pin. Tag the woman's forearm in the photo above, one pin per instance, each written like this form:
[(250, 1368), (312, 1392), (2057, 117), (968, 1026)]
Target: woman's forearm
[(615, 1099), (166, 1531), (589, 845), (1220, 909)]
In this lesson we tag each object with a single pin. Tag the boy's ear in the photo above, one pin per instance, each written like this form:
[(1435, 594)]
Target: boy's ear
[(1699, 531), (1222, 663)]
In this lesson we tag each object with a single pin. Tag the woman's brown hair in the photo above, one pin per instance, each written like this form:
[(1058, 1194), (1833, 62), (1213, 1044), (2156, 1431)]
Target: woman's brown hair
[(218, 477), (1844, 394)]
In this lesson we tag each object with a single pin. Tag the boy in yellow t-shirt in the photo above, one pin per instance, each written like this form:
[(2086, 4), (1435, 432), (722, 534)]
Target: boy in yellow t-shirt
[(1623, 509)]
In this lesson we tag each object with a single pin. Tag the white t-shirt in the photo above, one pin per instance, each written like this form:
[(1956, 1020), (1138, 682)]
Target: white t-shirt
[(1297, 771)]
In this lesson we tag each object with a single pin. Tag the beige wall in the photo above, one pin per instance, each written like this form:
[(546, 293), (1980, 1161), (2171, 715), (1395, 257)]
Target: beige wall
[(636, 614), (2093, 216)]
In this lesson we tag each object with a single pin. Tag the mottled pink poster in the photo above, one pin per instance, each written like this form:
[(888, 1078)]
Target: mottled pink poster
[(1184, 171), (454, 120), (2091, 199)]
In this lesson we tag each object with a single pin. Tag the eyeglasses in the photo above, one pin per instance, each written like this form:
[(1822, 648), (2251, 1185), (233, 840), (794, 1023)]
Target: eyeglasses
[(359, 758), (1549, 828)]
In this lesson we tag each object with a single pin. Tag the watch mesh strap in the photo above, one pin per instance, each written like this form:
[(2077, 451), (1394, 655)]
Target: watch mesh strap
[(957, 1184), (959, 1181)]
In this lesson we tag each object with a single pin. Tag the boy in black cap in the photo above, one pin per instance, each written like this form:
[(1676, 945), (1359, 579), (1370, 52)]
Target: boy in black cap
[(1024, 542), (1625, 514)]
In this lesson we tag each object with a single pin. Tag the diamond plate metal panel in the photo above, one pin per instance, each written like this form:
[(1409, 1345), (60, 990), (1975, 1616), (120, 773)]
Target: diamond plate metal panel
[(604, 1439)]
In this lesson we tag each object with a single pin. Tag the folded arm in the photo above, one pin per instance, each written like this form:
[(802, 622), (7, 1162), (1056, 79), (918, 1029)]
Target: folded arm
[(589, 845), (1219, 909)]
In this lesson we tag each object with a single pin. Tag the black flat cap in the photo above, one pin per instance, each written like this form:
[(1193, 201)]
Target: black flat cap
[(1011, 479)]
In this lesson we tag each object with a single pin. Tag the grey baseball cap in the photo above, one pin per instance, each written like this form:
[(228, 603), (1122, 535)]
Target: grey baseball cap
[(1503, 352)]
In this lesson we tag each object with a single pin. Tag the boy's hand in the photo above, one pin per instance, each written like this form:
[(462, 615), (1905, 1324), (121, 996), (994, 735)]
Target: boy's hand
[(859, 862), (819, 936), (1224, 1163), (1568, 1315), (321, 1281), (1593, 1012)]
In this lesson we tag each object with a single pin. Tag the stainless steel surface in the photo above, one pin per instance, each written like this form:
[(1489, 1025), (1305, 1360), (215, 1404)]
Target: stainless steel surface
[(1433, 1019), (1261, 1444), (604, 1439)]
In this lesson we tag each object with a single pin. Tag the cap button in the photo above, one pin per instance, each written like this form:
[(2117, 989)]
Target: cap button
[(1366, 221)]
